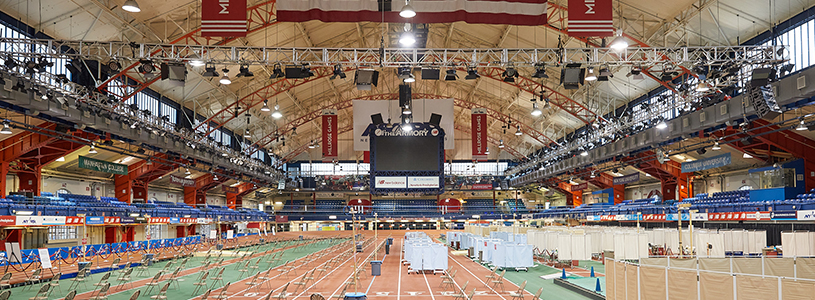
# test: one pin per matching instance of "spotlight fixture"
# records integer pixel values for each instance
(92, 150)
(146, 66)
(716, 146)
(405, 74)
(802, 126)
(406, 110)
(540, 71)
(114, 65)
(6, 128)
(225, 79)
(592, 175)
(407, 39)
(407, 11)
(746, 156)
(510, 74)
(487, 151)
(210, 72)
(10, 62)
(604, 74)
(337, 73)
(472, 73)
(277, 72)
(265, 106)
(276, 113)
(451, 75)
(311, 145)
(619, 43)
(197, 63)
(131, 6)
(500, 144)
(590, 76)
(518, 130)
(662, 125)
(243, 71)
(535, 110)
(701, 151)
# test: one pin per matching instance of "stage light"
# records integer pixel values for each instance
(409, 79)
(246, 133)
(500, 144)
(131, 6)
(619, 43)
(716, 146)
(225, 79)
(6, 128)
(407, 11)
(747, 155)
(590, 76)
(92, 150)
(311, 145)
(11, 63)
(592, 174)
(407, 39)
(540, 71)
(243, 71)
(518, 130)
(265, 106)
(802, 126)
(146, 66)
(535, 110)
(197, 63)
(337, 73)
(210, 72)
(472, 73)
(277, 72)
(451, 75)
(510, 74)
(405, 74)
(276, 113)
(662, 125)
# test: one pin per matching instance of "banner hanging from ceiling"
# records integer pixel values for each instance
(479, 133)
(182, 181)
(329, 135)
(511, 12)
(626, 179)
(389, 111)
(101, 166)
(223, 18)
(590, 18)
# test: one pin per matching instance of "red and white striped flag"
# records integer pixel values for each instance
(590, 18)
(223, 18)
(512, 12)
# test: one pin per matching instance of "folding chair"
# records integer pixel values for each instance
(266, 278)
(447, 280)
(42, 294)
(492, 275)
(71, 295)
(166, 267)
(35, 276)
(283, 294)
(54, 282)
(341, 295)
(174, 277)
(302, 282)
(5, 281)
(102, 280)
(284, 269)
(219, 277)
(520, 293)
(115, 264)
(256, 266)
(223, 294)
(244, 269)
(162, 294)
(206, 295)
(537, 295)
(5, 295)
(153, 283)
(254, 282)
(461, 294)
(101, 293)
(135, 295)
(471, 294)
(143, 267)
(80, 278)
(499, 281)
(125, 278)
(201, 283)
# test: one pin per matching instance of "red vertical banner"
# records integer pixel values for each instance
(478, 130)
(329, 135)
(590, 18)
(223, 18)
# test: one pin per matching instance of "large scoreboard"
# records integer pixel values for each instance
(407, 161)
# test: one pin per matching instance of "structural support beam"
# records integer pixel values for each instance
(675, 185)
(605, 181)
(573, 198)
(134, 185)
(235, 200)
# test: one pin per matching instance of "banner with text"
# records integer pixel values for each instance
(479, 133)
(423, 182)
(579, 187)
(182, 181)
(329, 134)
(223, 18)
(229, 189)
(590, 18)
(707, 163)
(102, 166)
(626, 179)
(390, 182)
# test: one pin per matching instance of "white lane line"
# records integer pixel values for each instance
(349, 276)
(399, 285)
(428, 286)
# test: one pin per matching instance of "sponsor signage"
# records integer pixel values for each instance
(805, 215)
(626, 179)
(281, 219)
(479, 133)
(578, 187)
(203, 220)
(127, 220)
(182, 181)
(422, 110)
(112, 220)
(94, 220)
(225, 18)
(102, 166)
(784, 215)
(29, 221)
(53, 220)
(423, 182)
(391, 182)
(329, 135)
(8, 220)
(592, 218)
(707, 163)
(74, 220)
(229, 189)
(482, 186)
(175, 220)
(590, 18)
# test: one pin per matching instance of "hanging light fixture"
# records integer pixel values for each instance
(187, 172)
(716, 146)
(535, 110)
(406, 126)
(6, 128)
(225, 79)
(265, 106)
(500, 144)
(406, 110)
(197, 63)
(407, 11)
(92, 150)
(518, 130)
(702, 87)
(487, 151)
(311, 145)
(131, 6)
(592, 174)
(619, 43)
(246, 133)
(590, 76)
(802, 126)
(407, 39)
(276, 113)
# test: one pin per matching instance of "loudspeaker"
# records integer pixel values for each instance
(572, 76)
(295, 72)
(404, 95)
(430, 74)
(175, 72)
(377, 119)
(763, 100)
(364, 79)
(435, 119)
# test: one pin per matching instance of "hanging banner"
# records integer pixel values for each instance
(365, 111)
(229, 189)
(707, 163)
(590, 18)
(626, 179)
(329, 134)
(223, 18)
(102, 166)
(479, 133)
(578, 187)
(181, 181)
(511, 12)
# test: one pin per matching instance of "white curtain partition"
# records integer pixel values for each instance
(426, 256)
(798, 243)
(512, 256)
